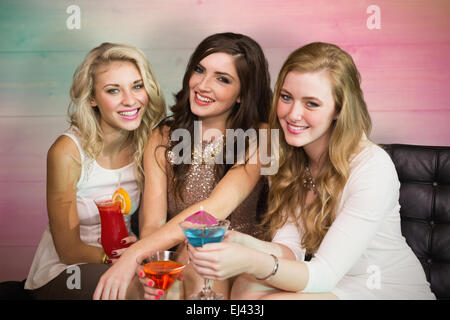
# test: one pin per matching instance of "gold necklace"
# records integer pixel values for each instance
(208, 154)
(308, 180)
(200, 156)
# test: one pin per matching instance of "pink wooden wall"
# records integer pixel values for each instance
(404, 66)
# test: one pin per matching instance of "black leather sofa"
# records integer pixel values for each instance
(424, 174)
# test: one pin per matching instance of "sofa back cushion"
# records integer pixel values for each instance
(424, 174)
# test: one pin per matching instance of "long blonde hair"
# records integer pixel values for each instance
(287, 194)
(86, 118)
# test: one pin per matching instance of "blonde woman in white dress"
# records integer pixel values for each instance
(335, 197)
(115, 102)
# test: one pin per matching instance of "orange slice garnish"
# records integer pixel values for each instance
(125, 202)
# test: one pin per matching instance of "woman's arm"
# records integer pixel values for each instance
(153, 211)
(63, 172)
(219, 261)
(278, 249)
(231, 190)
(241, 253)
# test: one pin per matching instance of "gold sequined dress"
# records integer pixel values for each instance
(201, 181)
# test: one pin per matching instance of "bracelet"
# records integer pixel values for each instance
(105, 258)
(275, 269)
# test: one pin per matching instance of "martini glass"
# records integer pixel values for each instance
(162, 267)
(198, 235)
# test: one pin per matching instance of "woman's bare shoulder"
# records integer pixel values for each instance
(159, 136)
(64, 147)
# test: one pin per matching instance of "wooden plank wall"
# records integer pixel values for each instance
(404, 66)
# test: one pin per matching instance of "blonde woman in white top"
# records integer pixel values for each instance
(335, 197)
(115, 102)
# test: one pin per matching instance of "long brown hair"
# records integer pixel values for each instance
(255, 93)
(287, 195)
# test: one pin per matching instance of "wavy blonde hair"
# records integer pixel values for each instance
(287, 193)
(87, 119)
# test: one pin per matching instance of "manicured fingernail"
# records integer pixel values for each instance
(156, 297)
(109, 261)
(122, 242)
(160, 292)
(114, 253)
(141, 274)
(151, 283)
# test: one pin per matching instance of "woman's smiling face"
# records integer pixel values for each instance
(306, 109)
(119, 95)
(214, 87)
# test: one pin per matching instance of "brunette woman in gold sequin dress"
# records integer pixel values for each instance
(226, 86)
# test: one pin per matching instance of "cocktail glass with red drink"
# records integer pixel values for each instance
(113, 228)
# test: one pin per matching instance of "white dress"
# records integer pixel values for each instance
(94, 181)
(364, 255)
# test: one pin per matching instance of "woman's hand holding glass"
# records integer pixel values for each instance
(118, 252)
(158, 271)
(150, 293)
(222, 260)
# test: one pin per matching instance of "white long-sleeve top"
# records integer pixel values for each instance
(364, 255)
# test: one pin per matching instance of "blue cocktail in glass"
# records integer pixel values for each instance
(199, 235)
